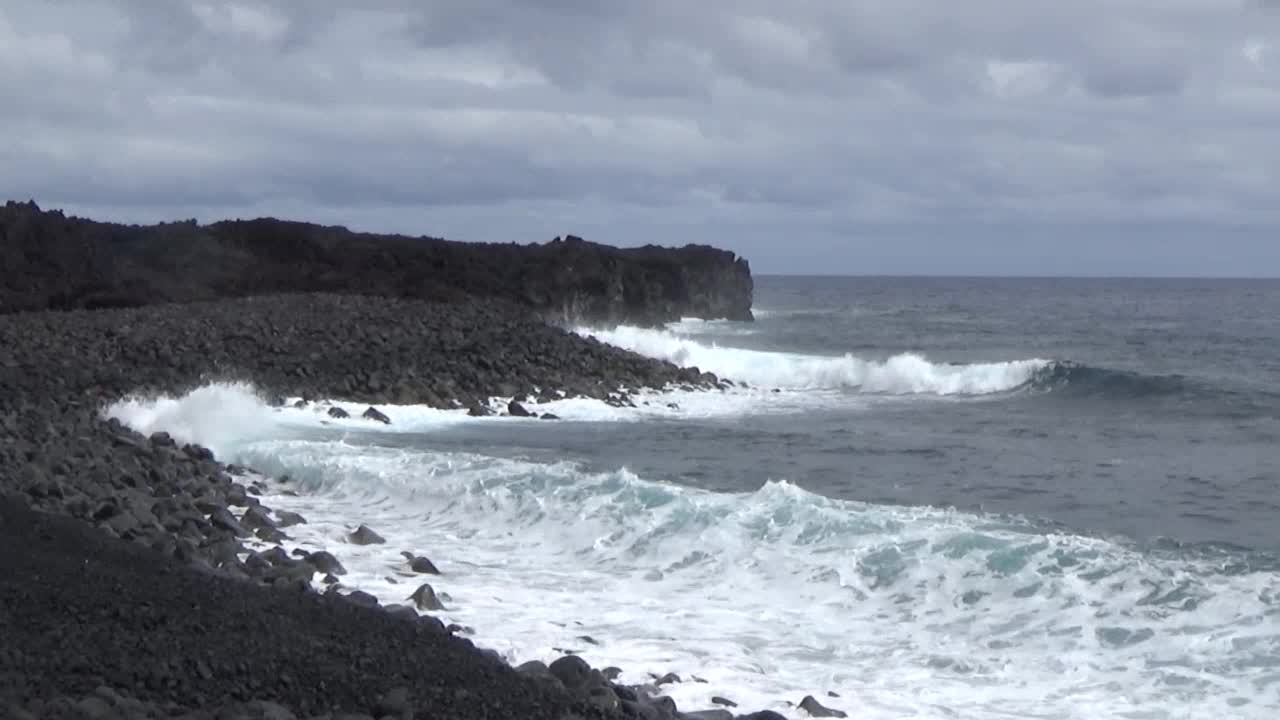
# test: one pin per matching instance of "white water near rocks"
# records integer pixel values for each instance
(907, 373)
(768, 595)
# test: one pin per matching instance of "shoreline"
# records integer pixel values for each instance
(173, 503)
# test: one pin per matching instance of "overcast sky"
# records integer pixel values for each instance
(835, 136)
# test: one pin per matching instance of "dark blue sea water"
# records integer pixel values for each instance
(1159, 416)
(936, 498)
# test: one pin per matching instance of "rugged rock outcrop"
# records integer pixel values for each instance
(50, 261)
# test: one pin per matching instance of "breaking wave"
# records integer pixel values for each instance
(908, 373)
(770, 594)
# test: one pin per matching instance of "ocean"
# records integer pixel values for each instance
(933, 498)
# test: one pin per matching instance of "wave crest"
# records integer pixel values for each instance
(904, 374)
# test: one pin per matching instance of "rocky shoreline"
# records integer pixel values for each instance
(49, 261)
(173, 616)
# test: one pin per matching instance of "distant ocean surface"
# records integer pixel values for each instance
(937, 498)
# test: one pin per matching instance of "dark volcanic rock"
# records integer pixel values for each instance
(420, 564)
(572, 671)
(324, 562)
(364, 535)
(338, 413)
(145, 636)
(424, 598)
(50, 261)
(707, 715)
(376, 415)
(515, 409)
(810, 705)
(285, 518)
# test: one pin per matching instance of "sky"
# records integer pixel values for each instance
(983, 137)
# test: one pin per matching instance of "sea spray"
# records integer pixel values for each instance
(776, 593)
(906, 373)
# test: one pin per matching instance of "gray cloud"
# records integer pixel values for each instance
(875, 137)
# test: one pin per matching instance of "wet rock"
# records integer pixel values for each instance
(611, 673)
(478, 410)
(666, 679)
(285, 518)
(255, 518)
(515, 409)
(222, 518)
(762, 715)
(404, 612)
(572, 671)
(324, 562)
(362, 598)
(338, 413)
(717, 700)
(420, 564)
(271, 535)
(539, 671)
(424, 598)
(810, 705)
(603, 697)
(707, 715)
(376, 415)
(162, 439)
(550, 416)
(363, 535)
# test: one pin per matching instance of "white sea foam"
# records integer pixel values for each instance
(698, 326)
(901, 374)
(770, 595)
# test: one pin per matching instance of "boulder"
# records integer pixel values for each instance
(572, 671)
(338, 413)
(810, 705)
(515, 409)
(375, 414)
(222, 518)
(324, 562)
(424, 598)
(363, 535)
(362, 598)
(707, 715)
(420, 564)
(285, 518)
(256, 517)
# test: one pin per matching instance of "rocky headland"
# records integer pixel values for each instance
(130, 586)
(51, 261)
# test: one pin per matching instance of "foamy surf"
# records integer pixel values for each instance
(774, 594)
(218, 414)
(898, 375)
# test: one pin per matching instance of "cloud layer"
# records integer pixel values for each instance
(813, 135)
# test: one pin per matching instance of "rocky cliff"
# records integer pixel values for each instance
(51, 261)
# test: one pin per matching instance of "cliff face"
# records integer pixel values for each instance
(49, 261)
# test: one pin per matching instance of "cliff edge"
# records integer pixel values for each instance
(51, 261)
